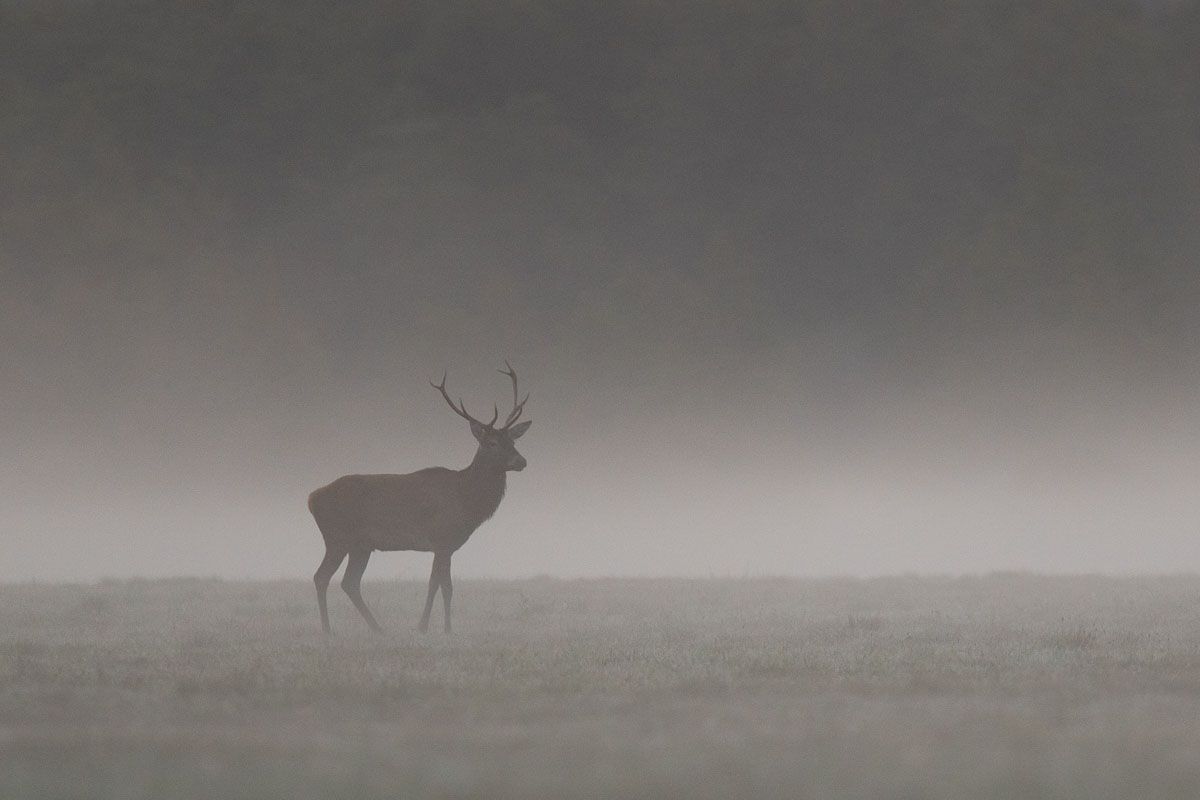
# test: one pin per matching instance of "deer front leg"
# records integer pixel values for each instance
(435, 580)
(447, 590)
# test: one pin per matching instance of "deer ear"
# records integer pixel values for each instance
(518, 430)
(477, 430)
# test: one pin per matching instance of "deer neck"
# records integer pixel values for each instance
(483, 487)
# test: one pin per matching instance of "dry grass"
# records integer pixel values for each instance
(1007, 686)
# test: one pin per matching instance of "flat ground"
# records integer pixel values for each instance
(1008, 686)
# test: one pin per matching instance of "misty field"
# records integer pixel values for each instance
(1009, 686)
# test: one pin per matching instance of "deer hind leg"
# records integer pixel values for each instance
(333, 560)
(352, 585)
(435, 582)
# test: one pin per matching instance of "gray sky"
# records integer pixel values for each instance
(797, 288)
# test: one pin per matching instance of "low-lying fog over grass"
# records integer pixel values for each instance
(1002, 686)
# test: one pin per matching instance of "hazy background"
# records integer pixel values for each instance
(816, 287)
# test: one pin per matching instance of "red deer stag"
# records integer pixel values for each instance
(433, 510)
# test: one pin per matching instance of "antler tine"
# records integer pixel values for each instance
(459, 409)
(511, 373)
(515, 414)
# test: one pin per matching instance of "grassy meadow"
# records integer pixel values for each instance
(1001, 686)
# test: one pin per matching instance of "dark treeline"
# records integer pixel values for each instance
(674, 180)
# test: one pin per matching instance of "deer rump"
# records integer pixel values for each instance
(417, 511)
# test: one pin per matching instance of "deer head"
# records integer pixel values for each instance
(496, 446)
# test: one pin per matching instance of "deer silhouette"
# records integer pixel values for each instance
(433, 510)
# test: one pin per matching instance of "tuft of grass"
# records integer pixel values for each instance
(864, 622)
(1075, 637)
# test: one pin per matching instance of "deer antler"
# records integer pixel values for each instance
(515, 414)
(461, 408)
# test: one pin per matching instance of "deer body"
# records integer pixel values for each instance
(433, 510)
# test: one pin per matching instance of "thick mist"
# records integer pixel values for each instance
(796, 288)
